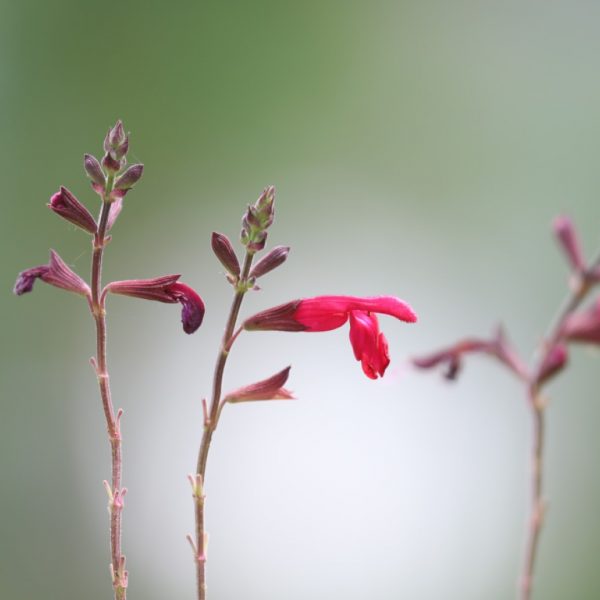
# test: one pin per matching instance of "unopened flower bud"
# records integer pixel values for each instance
(224, 251)
(568, 239)
(554, 361)
(64, 204)
(266, 389)
(56, 273)
(277, 256)
(111, 164)
(116, 135)
(129, 178)
(94, 170)
(257, 219)
(583, 326)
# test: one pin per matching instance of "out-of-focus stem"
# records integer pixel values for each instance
(119, 574)
(537, 501)
(584, 283)
(211, 424)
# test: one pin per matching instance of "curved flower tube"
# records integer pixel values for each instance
(164, 289)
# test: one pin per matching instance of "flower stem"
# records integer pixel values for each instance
(119, 575)
(211, 424)
(585, 281)
(537, 502)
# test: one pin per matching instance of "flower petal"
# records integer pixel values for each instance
(369, 344)
(193, 309)
(324, 313)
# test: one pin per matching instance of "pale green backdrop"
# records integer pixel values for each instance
(419, 149)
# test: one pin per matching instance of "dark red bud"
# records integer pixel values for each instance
(94, 170)
(111, 164)
(276, 257)
(224, 251)
(129, 178)
(64, 204)
(266, 389)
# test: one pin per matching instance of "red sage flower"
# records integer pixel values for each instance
(324, 313)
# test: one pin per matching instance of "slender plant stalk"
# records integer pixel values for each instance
(537, 501)
(210, 424)
(115, 493)
(537, 406)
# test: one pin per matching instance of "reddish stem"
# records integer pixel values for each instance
(119, 574)
(585, 282)
(211, 424)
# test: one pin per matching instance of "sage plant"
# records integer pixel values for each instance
(322, 313)
(572, 325)
(111, 179)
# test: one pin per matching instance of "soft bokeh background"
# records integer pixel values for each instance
(419, 149)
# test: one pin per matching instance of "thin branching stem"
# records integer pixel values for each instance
(211, 424)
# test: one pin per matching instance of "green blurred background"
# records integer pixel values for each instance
(419, 149)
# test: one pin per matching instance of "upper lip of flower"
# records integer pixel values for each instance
(324, 313)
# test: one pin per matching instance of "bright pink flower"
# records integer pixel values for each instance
(164, 289)
(324, 313)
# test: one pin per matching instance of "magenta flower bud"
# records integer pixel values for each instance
(94, 170)
(273, 259)
(583, 326)
(129, 178)
(554, 361)
(64, 204)
(569, 240)
(164, 289)
(224, 251)
(56, 273)
(324, 313)
(266, 389)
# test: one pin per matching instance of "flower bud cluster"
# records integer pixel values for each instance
(112, 189)
(258, 218)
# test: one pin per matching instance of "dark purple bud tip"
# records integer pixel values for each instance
(224, 251)
(94, 170)
(129, 178)
(193, 309)
(64, 204)
(26, 279)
